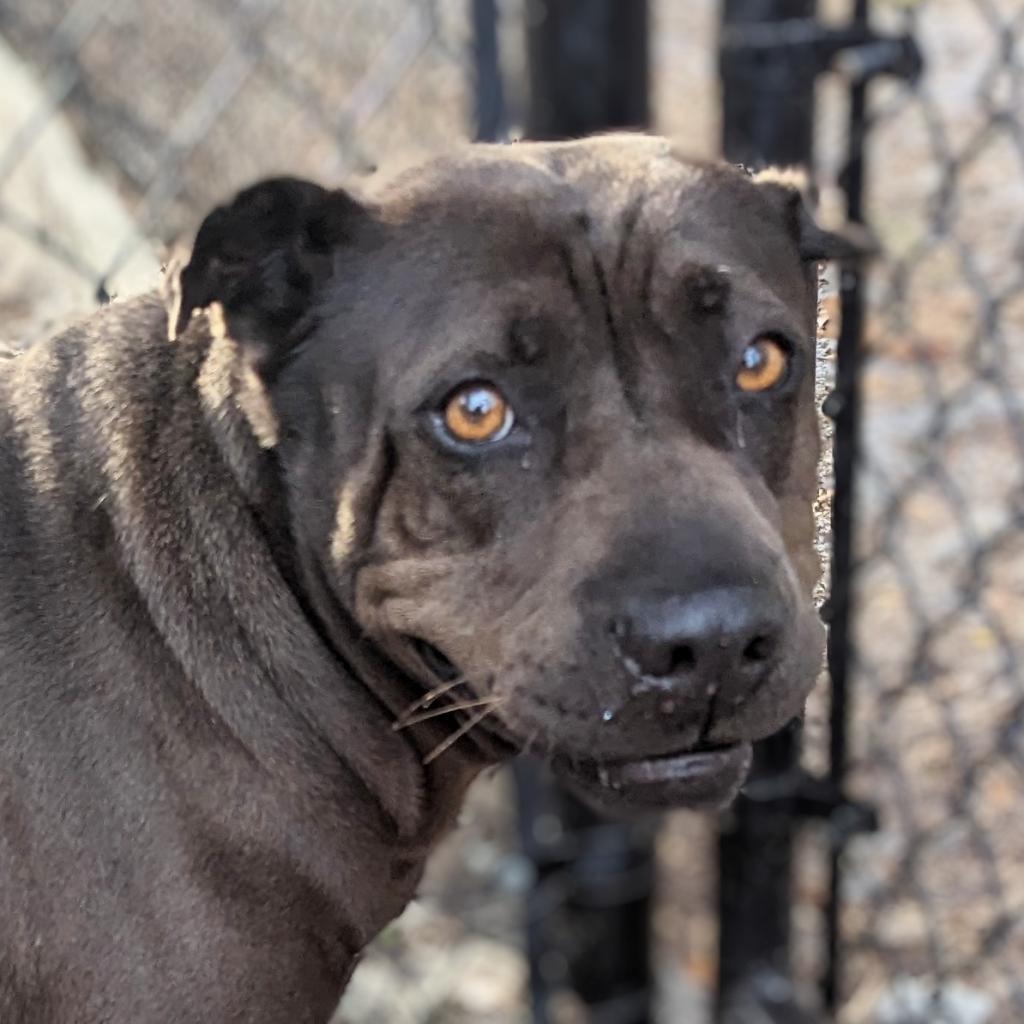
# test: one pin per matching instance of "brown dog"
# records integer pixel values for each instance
(518, 454)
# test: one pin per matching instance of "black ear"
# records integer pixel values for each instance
(787, 189)
(852, 243)
(262, 257)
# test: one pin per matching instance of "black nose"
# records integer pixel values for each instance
(726, 635)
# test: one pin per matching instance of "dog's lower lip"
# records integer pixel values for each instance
(691, 764)
(702, 778)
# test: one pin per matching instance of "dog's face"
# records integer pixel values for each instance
(544, 417)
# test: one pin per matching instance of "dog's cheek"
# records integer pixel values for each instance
(421, 517)
(798, 535)
(554, 677)
(797, 504)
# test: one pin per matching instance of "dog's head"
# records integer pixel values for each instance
(544, 418)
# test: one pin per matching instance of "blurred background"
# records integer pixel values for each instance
(875, 868)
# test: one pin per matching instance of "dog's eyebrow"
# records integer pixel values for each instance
(527, 333)
(526, 338)
(706, 287)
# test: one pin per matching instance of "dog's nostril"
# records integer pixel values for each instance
(759, 649)
(662, 660)
(701, 638)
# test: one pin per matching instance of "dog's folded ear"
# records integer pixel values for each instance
(788, 188)
(262, 258)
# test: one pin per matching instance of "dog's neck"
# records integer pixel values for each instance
(169, 458)
(242, 428)
(277, 750)
(348, 668)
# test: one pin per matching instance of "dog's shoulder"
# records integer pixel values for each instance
(66, 398)
(127, 331)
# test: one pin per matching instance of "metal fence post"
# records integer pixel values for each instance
(767, 118)
(489, 111)
(588, 66)
(589, 911)
(843, 406)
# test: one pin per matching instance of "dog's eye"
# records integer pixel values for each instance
(476, 413)
(763, 365)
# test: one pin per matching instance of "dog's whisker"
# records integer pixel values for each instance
(406, 722)
(471, 723)
(429, 697)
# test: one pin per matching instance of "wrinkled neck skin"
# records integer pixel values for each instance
(395, 692)
(416, 800)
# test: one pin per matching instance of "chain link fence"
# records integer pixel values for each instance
(933, 929)
(177, 105)
(122, 123)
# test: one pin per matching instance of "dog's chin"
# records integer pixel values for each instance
(700, 779)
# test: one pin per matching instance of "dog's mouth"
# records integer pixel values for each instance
(708, 777)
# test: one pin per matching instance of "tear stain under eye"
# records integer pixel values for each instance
(708, 288)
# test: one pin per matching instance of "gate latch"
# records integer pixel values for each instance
(807, 48)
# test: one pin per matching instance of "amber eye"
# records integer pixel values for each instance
(763, 365)
(475, 413)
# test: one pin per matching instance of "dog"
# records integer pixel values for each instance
(515, 452)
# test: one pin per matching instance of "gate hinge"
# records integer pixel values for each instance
(845, 817)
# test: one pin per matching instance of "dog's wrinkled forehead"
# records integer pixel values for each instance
(626, 192)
